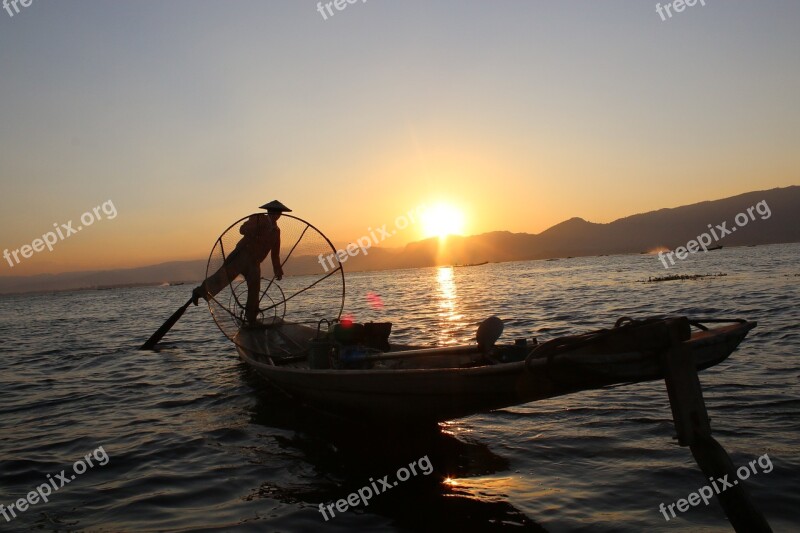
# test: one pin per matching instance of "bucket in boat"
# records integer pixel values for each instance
(320, 348)
(319, 353)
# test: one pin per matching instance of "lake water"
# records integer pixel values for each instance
(194, 443)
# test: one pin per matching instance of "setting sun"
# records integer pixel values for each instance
(441, 220)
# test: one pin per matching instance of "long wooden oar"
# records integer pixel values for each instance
(158, 335)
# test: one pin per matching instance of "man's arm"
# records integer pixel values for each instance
(275, 252)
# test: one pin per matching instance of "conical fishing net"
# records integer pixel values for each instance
(312, 287)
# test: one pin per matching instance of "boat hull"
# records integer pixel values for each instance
(425, 395)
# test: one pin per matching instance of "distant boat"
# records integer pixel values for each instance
(473, 264)
(709, 249)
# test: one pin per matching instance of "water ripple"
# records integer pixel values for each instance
(196, 443)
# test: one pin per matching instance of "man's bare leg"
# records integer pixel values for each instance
(220, 279)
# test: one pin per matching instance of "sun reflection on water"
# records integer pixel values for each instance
(448, 315)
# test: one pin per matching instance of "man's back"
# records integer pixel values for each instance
(259, 233)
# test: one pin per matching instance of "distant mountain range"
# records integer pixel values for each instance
(647, 232)
(774, 218)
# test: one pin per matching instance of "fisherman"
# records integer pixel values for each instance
(261, 236)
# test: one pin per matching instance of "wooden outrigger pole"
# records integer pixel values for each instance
(694, 430)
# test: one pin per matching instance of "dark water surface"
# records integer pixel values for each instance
(194, 443)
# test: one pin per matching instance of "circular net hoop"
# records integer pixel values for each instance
(312, 287)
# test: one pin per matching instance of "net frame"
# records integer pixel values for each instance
(230, 318)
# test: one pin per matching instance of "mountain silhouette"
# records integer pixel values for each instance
(662, 229)
(778, 221)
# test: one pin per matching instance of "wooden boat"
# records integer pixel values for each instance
(352, 371)
(412, 385)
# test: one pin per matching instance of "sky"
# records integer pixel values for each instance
(185, 115)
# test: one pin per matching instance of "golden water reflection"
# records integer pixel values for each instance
(448, 316)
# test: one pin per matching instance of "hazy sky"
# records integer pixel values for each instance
(188, 114)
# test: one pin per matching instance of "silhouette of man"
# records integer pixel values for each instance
(261, 236)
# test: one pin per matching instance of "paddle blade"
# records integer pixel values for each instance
(158, 335)
(488, 332)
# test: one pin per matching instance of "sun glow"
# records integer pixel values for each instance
(441, 220)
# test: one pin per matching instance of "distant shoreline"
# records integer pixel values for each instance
(191, 282)
(663, 229)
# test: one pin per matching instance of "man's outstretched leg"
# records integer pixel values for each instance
(220, 279)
